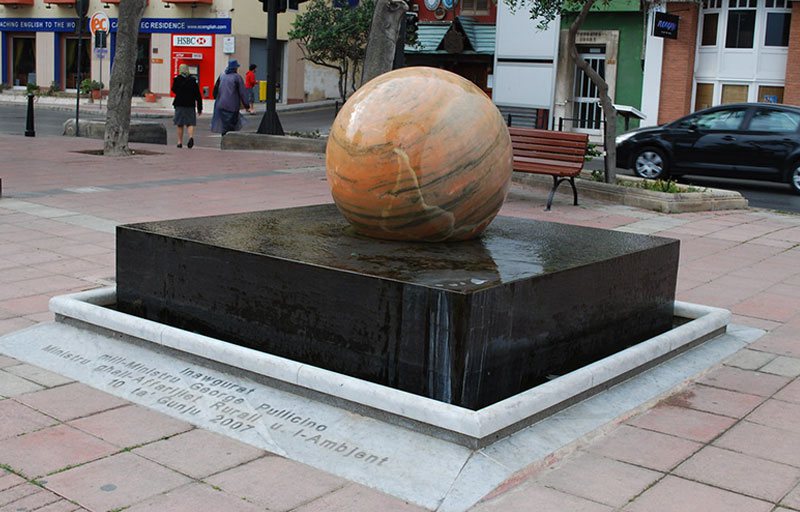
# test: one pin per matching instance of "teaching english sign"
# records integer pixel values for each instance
(146, 26)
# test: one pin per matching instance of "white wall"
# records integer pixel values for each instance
(651, 81)
(529, 79)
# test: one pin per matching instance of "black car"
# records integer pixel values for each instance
(758, 141)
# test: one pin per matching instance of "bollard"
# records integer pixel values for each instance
(29, 131)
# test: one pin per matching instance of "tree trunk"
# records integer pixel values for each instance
(120, 89)
(609, 112)
(382, 39)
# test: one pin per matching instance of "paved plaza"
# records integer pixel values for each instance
(729, 441)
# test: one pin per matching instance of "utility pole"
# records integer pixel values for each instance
(81, 9)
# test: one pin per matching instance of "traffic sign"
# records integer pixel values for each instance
(99, 21)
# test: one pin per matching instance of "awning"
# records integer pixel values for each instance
(480, 37)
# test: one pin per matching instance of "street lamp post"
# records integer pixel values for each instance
(81, 9)
(270, 123)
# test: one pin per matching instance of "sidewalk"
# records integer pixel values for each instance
(139, 108)
(728, 442)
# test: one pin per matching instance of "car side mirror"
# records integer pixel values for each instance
(693, 127)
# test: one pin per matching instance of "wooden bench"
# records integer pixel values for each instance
(558, 154)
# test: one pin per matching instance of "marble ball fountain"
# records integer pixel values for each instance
(419, 154)
(410, 286)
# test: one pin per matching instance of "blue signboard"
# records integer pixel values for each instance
(38, 24)
(146, 26)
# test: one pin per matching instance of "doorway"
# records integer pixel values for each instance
(23, 60)
(258, 56)
(141, 74)
(588, 116)
(71, 60)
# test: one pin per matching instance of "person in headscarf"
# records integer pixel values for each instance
(229, 96)
(187, 98)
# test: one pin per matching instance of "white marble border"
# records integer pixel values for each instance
(476, 425)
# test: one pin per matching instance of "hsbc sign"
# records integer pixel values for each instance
(192, 40)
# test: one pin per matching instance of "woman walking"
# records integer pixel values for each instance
(229, 96)
(187, 98)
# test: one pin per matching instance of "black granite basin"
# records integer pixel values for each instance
(467, 323)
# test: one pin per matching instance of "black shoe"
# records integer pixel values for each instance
(190, 145)
(180, 145)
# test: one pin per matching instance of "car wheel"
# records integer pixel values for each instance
(650, 163)
(794, 177)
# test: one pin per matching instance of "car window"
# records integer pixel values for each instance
(770, 120)
(720, 119)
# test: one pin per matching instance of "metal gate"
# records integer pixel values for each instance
(587, 112)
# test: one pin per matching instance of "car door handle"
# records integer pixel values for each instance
(728, 138)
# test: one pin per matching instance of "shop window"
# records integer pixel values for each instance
(474, 7)
(712, 4)
(733, 94)
(71, 61)
(23, 59)
(777, 29)
(770, 94)
(704, 96)
(742, 4)
(741, 28)
(710, 22)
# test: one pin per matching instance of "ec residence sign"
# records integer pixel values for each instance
(192, 40)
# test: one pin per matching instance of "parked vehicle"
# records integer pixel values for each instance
(758, 141)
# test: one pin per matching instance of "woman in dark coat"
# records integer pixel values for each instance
(187, 96)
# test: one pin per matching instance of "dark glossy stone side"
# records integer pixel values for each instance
(469, 323)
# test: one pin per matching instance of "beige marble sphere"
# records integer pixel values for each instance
(419, 154)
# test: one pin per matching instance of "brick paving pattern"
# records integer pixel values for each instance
(728, 442)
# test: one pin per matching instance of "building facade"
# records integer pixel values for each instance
(730, 51)
(39, 44)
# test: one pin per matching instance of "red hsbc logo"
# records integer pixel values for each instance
(192, 40)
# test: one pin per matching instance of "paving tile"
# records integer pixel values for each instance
(200, 453)
(51, 449)
(9, 480)
(762, 441)
(741, 473)
(38, 375)
(13, 324)
(26, 305)
(599, 479)
(530, 497)
(793, 498)
(357, 498)
(71, 401)
(115, 482)
(644, 448)
(130, 426)
(749, 359)
(34, 501)
(678, 495)
(195, 497)
(791, 393)
(783, 366)
(715, 400)
(276, 483)
(16, 493)
(784, 340)
(777, 414)
(12, 385)
(769, 306)
(744, 381)
(61, 506)
(6, 361)
(17, 419)
(686, 423)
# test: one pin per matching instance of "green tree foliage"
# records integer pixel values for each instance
(544, 12)
(335, 37)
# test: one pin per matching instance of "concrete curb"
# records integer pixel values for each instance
(462, 426)
(260, 142)
(708, 199)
